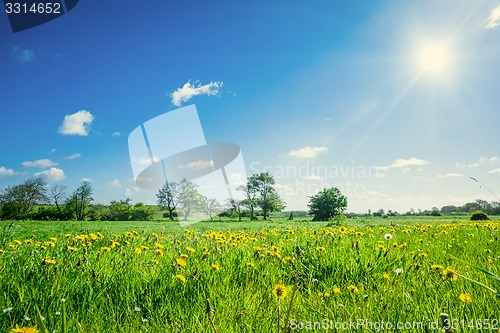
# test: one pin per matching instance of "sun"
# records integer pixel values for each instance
(434, 59)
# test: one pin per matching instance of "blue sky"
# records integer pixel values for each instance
(395, 102)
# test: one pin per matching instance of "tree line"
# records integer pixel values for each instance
(34, 199)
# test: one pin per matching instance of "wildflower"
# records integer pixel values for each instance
(72, 249)
(279, 291)
(144, 320)
(450, 273)
(155, 262)
(465, 298)
(215, 267)
(27, 318)
(144, 247)
(24, 330)
(353, 288)
(181, 262)
(7, 310)
(58, 313)
(327, 294)
(320, 294)
(388, 236)
(159, 252)
(49, 261)
(320, 248)
(181, 277)
(67, 235)
(287, 259)
(137, 250)
(190, 249)
(137, 309)
(437, 267)
(336, 290)
(386, 276)
(158, 245)
(105, 248)
(184, 255)
(250, 264)
(398, 271)
(18, 242)
(28, 241)
(423, 254)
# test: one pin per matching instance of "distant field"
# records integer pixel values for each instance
(156, 276)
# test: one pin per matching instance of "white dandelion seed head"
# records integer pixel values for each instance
(138, 309)
(388, 236)
(27, 318)
(7, 310)
(399, 271)
(58, 313)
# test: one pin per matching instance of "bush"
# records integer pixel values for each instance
(479, 216)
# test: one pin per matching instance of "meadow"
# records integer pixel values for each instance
(363, 275)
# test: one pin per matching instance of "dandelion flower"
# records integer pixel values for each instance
(398, 271)
(24, 330)
(49, 261)
(72, 249)
(190, 249)
(105, 248)
(215, 267)
(280, 291)
(320, 248)
(336, 290)
(181, 262)
(450, 273)
(386, 276)
(250, 264)
(159, 252)
(137, 250)
(437, 267)
(353, 288)
(465, 298)
(320, 294)
(181, 277)
(137, 309)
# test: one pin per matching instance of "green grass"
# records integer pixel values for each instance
(117, 289)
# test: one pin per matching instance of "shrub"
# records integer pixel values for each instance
(479, 216)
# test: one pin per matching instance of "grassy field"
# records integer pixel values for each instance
(276, 276)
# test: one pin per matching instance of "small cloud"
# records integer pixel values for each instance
(190, 90)
(86, 179)
(72, 157)
(114, 183)
(116, 134)
(404, 163)
(77, 123)
(197, 165)
(52, 151)
(6, 172)
(42, 164)
(308, 152)
(145, 160)
(131, 191)
(23, 55)
(494, 18)
(496, 170)
(312, 177)
(284, 189)
(493, 159)
(53, 174)
(449, 175)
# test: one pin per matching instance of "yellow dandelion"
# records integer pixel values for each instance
(184, 255)
(18, 242)
(320, 248)
(181, 262)
(465, 298)
(450, 273)
(353, 288)
(72, 249)
(279, 291)
(18, 329)
(437, 267)
(105, 248)
(423, 254)
(320, 294)
(336, 290)
(181, 277)
(190, 249)
(49, 261)
(137, 250)
(386, 276)
(159, 252)
(158, 245)
(250, 264)
(28, 241)
(327, 294)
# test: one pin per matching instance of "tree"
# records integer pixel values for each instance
(266, 196)
(168, 198)
(211, 206)
(121, 210)
(80, 200)
(250, 192)
(182, 195)
(142, 212)
(57, 194)
(18, 201)
(235, 205)
(327, 204)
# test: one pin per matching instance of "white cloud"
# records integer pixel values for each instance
(494, 18)
(197, 165)
(146, 161)
(53, 150)
(284, 189)
(493, 159)
(53, 174)
(86, 179)
(114, 183)
(77, 123)
(496, 170)
(449, 175)
(308, 152)
(404, 163)
(23, 55)
(6, 172)
(42, 164)
(190, 90)
(116, 134)
(72, 157)
(312, 177)
(131, 191)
